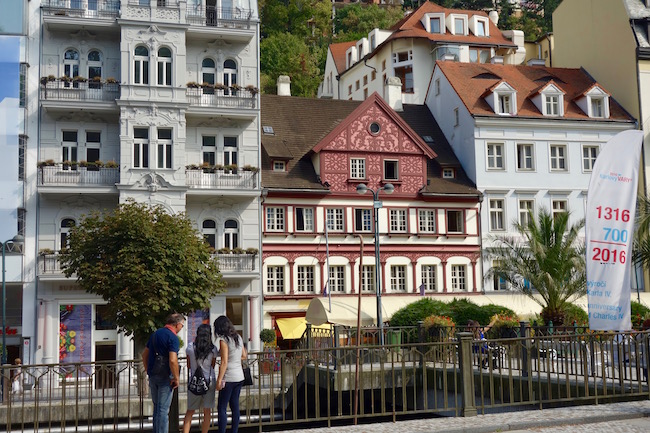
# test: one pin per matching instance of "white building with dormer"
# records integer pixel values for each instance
(154, 101)
(409, 50)
(528, 136)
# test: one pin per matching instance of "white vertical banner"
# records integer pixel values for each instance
(611, 208)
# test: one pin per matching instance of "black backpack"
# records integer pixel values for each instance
(198, 384)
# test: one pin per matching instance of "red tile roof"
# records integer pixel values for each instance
(471, 80)
(338, 54)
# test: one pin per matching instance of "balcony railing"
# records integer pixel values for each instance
(230, 98)
(60, 90)
(66, 175)
(48, 264)
(232, 18)
(99, 9)
(221, 179)
(236, 262)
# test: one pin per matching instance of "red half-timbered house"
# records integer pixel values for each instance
(315, 153)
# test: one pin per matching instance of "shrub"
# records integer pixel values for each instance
(503, 322)
(463, 310)
(252, 251)
(639, 313)
(573, 313)
(440, 321)
(238, 250)
(267, 336)
(416, 312)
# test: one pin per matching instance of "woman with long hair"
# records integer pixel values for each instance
(201, 353)
(231, 373)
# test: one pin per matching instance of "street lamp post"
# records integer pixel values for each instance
(388, 188)
(18, 239)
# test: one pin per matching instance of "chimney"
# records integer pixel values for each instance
(497, 60)
(536, 62)
(393, 93)
(284, 85)
(494, 17)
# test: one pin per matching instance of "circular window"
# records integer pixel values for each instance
(375, 128)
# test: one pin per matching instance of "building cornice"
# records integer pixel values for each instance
(554, 123)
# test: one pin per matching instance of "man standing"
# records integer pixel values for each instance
(160, 360)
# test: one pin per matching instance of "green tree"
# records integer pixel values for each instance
(641, 251)
(288, 54)
(144, 262)
(354, 22)
(545, 257)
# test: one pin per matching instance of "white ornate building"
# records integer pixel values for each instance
(164, 88)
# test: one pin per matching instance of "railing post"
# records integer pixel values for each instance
(421, 337)
(336, 343)
(525, 348)
(309, 337)
(466, 373)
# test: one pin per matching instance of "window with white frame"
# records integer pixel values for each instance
(526, 211)
(274, 219)
(164, 159)
(279, 166)
(64, 232)
(497, 214)
(455, 221)
(427, 220)
(231, 234)
(398, 220)
(305, 279)
(589, 155)
(495, 156)
(229, 150)
(398, 278)
(71, 63)
(208, 71)
(368, 279)
(209, 149)
(209, 231)
(69, 145)
(93, 143)
(230, 76)
(434, 25)
(140, 147)
(552, 105)
(505, 103)
(403, 69)
(304, 219)
(164, 66)
(479, 55)
(448, 173)
(94, 66)
(275, 279)
(558, 158)
(480, 28)
(337, 279)
(141, 65)
(498, 283)
(362, 220)
(335, 219)
(458, 278)
(525, 157)
(391, 171)
(357, 168)
(429, 277)
(597, 107)
(459, 26)
(558, 207)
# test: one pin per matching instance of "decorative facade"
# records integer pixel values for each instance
(315, 154)
(155, 102)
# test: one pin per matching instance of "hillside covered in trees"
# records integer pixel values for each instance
(296, 33)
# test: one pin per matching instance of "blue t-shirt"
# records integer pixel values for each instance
(162, 341)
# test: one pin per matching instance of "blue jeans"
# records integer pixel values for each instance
(229, 394)
(161, 395)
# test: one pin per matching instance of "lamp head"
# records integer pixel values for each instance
(362, 188)
(388, 188)
(18, 239)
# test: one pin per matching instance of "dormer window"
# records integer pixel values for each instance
(502, 98)
(552, 105)
(448, 173)
(457, 24)
(480, 28)
(279, 166)
(505, 104)
(594, 103)
(434, 23)
(479, 25)
(597, 107)
(550, 100)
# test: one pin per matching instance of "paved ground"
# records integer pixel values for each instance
(633, 417)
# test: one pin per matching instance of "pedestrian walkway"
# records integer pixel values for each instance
(546, 420)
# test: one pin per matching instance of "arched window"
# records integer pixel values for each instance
(209, 71)
(164, 67)
(231, 234)
(71, 63)
(210, 232)
(66, 225)
(94, 64)
(141, 65)
(229, 75)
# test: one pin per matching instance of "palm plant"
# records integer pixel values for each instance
(641, 248)
(547, 258)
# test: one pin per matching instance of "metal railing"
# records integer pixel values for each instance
(212, 179)
(98, 9)
(48, 264)
(74, 175)
(455, 377)
(232, 18)
(226, 98)
(60, 90)
(236, 262)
